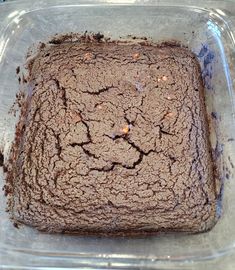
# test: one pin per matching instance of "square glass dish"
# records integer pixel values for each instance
(207, 28)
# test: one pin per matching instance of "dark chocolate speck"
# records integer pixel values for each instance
(214, 115)
(1, 159)
(18, 70)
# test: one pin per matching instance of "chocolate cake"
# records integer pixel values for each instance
(112, 139)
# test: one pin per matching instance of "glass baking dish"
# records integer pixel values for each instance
(207, 28)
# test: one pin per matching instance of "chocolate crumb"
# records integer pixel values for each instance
(42, 45)
(16, 225)
(1, 159)
(18, 70)
(230, 161)
(98, 36)
(5, 169)
(214, 115)
(24, 79)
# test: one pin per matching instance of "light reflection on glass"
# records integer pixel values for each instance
(221, 12)
(217, 34)
(13, 14)
(3, 47)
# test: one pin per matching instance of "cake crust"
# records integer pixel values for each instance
(113, 139)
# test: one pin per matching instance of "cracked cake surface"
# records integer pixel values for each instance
(112, 138)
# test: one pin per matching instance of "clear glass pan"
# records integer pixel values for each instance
(197, 24)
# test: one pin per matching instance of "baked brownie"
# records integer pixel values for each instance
(113, 139)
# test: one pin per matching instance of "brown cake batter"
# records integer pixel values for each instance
(113, 139)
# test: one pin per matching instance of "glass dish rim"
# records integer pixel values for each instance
(63, 4)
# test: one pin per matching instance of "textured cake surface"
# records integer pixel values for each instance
(113, 139)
